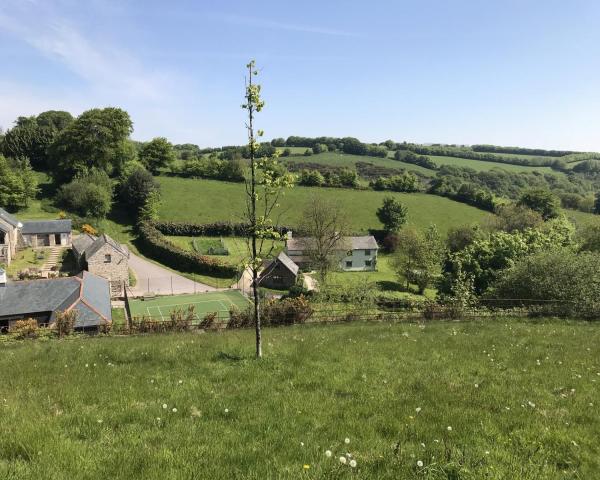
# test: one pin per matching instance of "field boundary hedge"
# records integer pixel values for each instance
(152, 243)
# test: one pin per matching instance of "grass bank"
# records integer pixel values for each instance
(203, 201)
(493, 399)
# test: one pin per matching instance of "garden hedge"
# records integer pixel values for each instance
(152, 243)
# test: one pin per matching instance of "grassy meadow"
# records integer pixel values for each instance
(498, 399)
(486, 166)
(337, 159)
(201, 201)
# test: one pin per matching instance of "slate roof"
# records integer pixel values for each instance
(100, 242)
(46, 226)
(288, 263)
(87, 293)
(8, 218)
(82, 242)
(366, 242)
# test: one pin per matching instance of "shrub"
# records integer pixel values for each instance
(181, 319)
(240, 318)
(65, 322)
(87, 228)
(288, 311)
(22, 329)
(209, 321)
(89, 195)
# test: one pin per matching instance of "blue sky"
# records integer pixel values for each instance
(519, 72)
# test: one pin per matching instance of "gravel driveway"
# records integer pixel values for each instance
(154, 278)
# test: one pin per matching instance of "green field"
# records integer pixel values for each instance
(340, 160)
(485, 166)
(201, 201)
(520, 397)
(238, 250)
(337, 159)
(160, 307)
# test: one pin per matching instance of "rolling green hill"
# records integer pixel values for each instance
(200, 201)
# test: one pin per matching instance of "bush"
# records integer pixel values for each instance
(209, 321)
(89, 195)
(288, 311)
(22, 329)
(565, 282)
(65, 323)
(240, 318)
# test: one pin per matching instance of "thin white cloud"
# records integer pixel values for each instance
(275, 25)
(103, 66)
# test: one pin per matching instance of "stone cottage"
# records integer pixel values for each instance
(104, 257)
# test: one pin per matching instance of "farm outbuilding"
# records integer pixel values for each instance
(280, 273)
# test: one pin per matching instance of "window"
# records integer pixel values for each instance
(367, 252)
(349, 264)
(107, 258)
(2, 240)
(368, 263)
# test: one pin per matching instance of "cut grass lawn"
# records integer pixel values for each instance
(238, 251)
(501, 399)
(203, 201)
(159, 308)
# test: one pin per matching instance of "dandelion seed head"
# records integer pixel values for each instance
(343, 460)
(164, 405)
(419, 463)
(346, 440)
(353, 463)
(328, 453)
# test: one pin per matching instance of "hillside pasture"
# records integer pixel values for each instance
(337, 159)
(486, 166)
(203, 201)
(482, 399)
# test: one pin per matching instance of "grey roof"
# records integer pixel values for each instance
(8, 218)
(96, 294)
(366, 242)
(100, 242)
(46, 226)
(288, 263)
(88, 294)
(82, 242)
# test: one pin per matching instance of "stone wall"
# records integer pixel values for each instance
(116, 270)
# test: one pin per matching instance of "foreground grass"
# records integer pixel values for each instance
(521, 399)
(201, 201)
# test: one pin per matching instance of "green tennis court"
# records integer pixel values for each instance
(159, 308)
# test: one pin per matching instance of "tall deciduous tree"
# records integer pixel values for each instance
(98, 138)
(156, 154)
(542, 201)
(419, 256)
(264, 187)
(324, 225)
(392, 214)
(17, 183)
